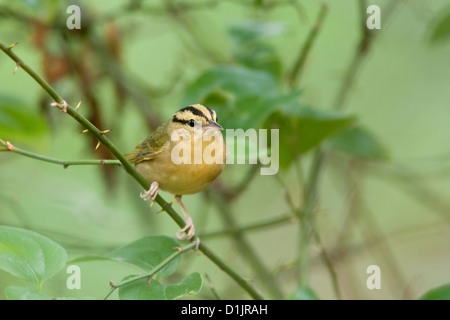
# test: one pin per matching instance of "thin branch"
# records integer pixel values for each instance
(251, 227)
(212, 288)
(307, 224)
(294, 76)
(149, 274)
(64, 163)
(329, 263)
(362, 49)
(310, 196)
(245, 248)
(61, 104)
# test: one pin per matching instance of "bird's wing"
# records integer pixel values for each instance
(150, 147)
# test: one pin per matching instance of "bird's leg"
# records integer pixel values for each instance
(151, 193)
(189, 227)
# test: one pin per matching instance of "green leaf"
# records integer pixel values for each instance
(189, 285)
(25, 293)
(247, 32)
(38, 8)
(232, 82)
(314, 126)
(19, 123)
(439, 293)
(252, 111)
(142, 290)
(359, 142)
(303, 293)
(147, 253)
(249, 48)
(28, 255)
(303, 129)
(261, 57)
(440, 30)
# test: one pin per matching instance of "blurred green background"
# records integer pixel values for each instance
(382, 196)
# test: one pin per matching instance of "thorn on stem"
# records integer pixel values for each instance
(105, 131)
(16, 68)
(85, 131)
(78, 105)
(98, 145)
(13, 45)
(149, 279)
(112, 284)
(65, 166)
(103, 161)
(179, 249)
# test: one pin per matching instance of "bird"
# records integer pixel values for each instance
(169, 158)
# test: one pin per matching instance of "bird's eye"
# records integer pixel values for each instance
(192, 122)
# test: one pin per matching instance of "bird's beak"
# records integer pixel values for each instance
(214, 125)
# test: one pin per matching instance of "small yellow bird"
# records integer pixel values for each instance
(173, 165)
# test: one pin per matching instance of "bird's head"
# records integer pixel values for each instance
(194, 117)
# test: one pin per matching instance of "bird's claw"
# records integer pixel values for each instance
(151, 193)
(187, 232)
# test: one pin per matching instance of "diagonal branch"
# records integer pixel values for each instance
(293, 77)
(100, 135)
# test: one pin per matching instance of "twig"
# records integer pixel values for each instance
(161, 265)
(307, 218)
(361, 218)
(405, 179)
(64, 163)
(294, 76)
(128, 167)
(245, 248)
(211, 287)
(363, 48)
(317, 162)
(250, 227)
(123, 81)
(329, 263)
(196, 41)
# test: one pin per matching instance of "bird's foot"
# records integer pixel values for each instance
(188, 231)
(151, 193)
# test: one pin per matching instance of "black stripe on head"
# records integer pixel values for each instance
(175, 119)
(210, 112)
(194, 111)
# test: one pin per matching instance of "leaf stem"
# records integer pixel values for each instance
(152, 272)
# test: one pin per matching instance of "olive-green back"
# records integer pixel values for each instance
(151, 146)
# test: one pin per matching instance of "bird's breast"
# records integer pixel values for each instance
(187, 166)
